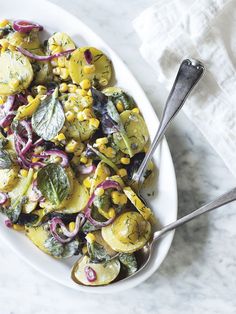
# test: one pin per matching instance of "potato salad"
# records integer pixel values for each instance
(69, 145)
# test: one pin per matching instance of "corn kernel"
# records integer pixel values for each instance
(85, 84)
(111, 212)
(63, 87)
(88, 100)
(18, 227)
(64, 74)
(35, 159)
(87, 182)
(123, 199)
(24, 173)
(80, 116)
(136, 110)
(14, 83)
(103, 82)
(41, 90)
(71, 146)
(71, 226)
(6, 129)
(61, 137)
(99, 191)
(94, 122)
(122, 172)
(103, 213)
(89, 93)
(56, 71)
(68, 105)
(110, 152)
(125, 160)
(84, 250)
(38, 150)
(81, 92)
(101, 140)
(115, 196)
(4, 23)
(90, 237)
(120, 106)
(88, 69)
(61, 62)
(35, 175)
(102, 148)
(72, 88)
(84, 159)
(70, 116)
(57, 160)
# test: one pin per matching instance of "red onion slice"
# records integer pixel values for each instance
(3, 198)
(86, 170)
(6, 114)
(58, 153)
(8, 223)
(43, 58)
(107, 184)
(88, 56)
(26, 26)
(70, 235)
(90, 273)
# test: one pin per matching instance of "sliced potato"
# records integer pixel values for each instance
(101, 173)
(61, 40)
(42, 69)
(74, 203)
(128, 233)
(136, 201)
(102, 65)
(9, 178)
(29, 41)
(38, 235)
(16, 72)
(136, 130)
(105, 273)
(79, 130)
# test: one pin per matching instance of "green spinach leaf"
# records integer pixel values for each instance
(53, 183)
(60, 250)
(5, 159)
(49, 118)
(113, 113)
(13, 212)
(97, 253)
(130, 262)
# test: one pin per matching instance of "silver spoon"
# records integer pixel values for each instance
(189, 73)
(146, 252)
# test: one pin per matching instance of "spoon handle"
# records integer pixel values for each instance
(189, 73)
(220, 201)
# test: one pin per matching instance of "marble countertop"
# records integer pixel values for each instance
(198, 275)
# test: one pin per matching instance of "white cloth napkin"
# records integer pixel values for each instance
(172, 30)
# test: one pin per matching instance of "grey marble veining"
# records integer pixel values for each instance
(198, 275)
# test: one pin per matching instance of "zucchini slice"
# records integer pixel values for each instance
(105, 273)
(9, 178)
(29, 41)
(61, 40)
(136, 130)
(102, 65)
(128, 233)
(16, 72)
(136, 201)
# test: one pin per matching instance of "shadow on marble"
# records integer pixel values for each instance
(189, 241)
